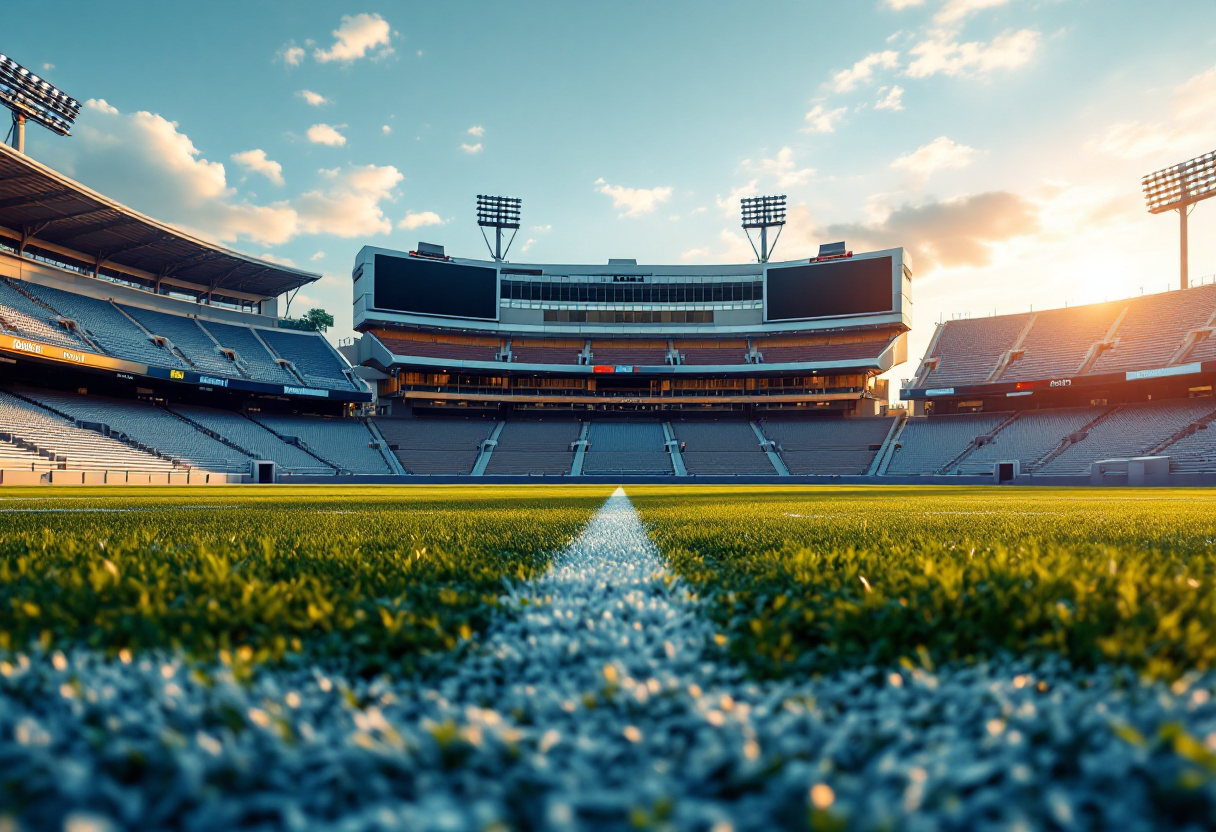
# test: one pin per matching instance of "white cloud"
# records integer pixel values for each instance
(47, 67)
(863, 71)
(274, 258)
(355, 36)
(320, 255)
(730, 203)
(414, 220)
(144, 160)
(942, 52)
(1188, 132)
(635, 201)
(890, 98)
(313, 98)
(471, 148)
(291, 55)
(819, 120)
(542, 229)
(255, 161)
(527, 245)
(700, 210)
(899, 5)
(386, 130)
(477, 131)
(955, 10)
(940, 154)
(350, 205)
(783, 170)
(326, 134)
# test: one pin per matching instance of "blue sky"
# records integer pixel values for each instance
(1000, 141)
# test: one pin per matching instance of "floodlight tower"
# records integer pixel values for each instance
(1178, 188)
(29, 97)
(498, 212)
(763, 212)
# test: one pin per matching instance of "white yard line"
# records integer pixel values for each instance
(596, 704)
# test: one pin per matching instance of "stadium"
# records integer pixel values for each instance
(571, 546)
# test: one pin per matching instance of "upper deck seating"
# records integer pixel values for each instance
(705, 353)
(188, 337)
(835, 446)
(928, 444)
(83, 449)
(805, 353)
(435, 446)
(430, 346)
(626, 447)
(150, 426)
(1155, 328)
(535, 447)
(1029, 438)
(112, 330)
(256, 360)
(21, 316)
(1060, 339)
(312, 356)
(968, 351)
(344, 442)
(254, 438)
(629, 353)
(1131, 430)
(722, 449)
(546, 351)
(1194, 453)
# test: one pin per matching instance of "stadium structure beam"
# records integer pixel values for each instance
(498, 212)
(1180, 188)
(763, 212)
(30, 98)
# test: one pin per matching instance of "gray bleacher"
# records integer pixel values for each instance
(344, 442)
(312, 357)
(626, 447)
(927, 444)
(1029, 438)
(112, 330)
(254, 438)
(256, 361)
(835, 446)
(150, 426)
(1130, 430)
(535, 448)
(81, 449)
(21, 316)
(187, 337)
(1195, 452)
(435, 446)
(722, 449)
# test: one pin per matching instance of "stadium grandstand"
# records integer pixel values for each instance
(489, 368)
(1060, 390)
(132, 352)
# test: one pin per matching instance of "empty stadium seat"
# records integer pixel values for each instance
(344, 442)
(723, 448)
(829, 446)
(969, 351)
(1060, 339)
(928, 444)
(21, 316)
(535, 447)
(435, 446)
(1155, 328)
(260, 442)
(627, 448)
(187, 336)
(255, 359)
(1029, 438)
(312, 356)
(1130, 430)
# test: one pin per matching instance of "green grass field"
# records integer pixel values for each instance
(797, 580)
(367, 578)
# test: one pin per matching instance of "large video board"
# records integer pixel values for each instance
(435, 287)
(860, 286)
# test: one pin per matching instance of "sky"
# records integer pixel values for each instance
(1001, 142)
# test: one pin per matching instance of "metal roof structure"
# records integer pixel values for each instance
(42, 206)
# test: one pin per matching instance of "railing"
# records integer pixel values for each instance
(462, 389)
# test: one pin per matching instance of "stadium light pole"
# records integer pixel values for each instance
(30, 98)
(1179, 188)
(763, 212)
(498, 212)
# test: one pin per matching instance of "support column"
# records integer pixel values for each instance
(1184, 257)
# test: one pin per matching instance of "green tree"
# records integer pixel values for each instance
(315, 320)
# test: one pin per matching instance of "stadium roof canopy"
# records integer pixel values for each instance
(42, 206)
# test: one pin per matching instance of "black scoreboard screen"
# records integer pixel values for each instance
(829, 290)
(435, 287)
